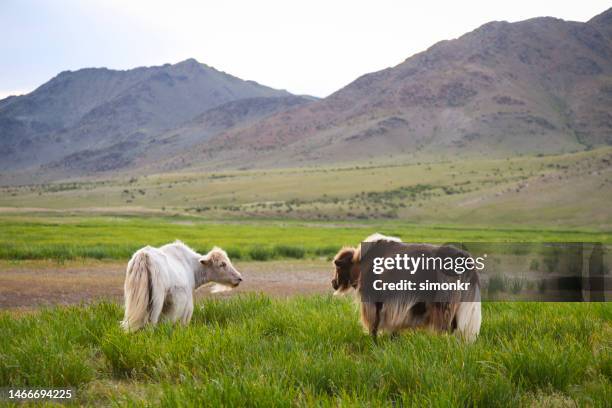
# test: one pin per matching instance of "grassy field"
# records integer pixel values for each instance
(257, 351)
(36, 236)
(561, 191)
(251, 350)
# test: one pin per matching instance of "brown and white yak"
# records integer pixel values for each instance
(463, 317)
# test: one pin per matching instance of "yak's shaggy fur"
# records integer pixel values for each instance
(463, 318)
(159, 282)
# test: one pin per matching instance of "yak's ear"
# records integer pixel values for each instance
(344, 257)
(205, 260)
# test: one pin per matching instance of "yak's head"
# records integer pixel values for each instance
(220, 268)
(346, 275)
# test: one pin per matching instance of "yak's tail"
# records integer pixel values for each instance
(469, 318)
(143, 292)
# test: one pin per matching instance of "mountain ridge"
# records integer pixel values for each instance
(535, 86)
(95, 108)
(538, 86)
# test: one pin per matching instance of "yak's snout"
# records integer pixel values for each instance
(236, 281)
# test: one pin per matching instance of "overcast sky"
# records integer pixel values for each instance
(307, 47)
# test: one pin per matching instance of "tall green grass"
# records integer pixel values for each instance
(311, 351)
(61, 238)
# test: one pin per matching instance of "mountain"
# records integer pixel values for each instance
(542, 85)
(537, 86)
(603, 22)
(100, 119)
(129, 153)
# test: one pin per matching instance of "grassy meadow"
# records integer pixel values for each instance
(256, 351)
(562, 191)
(54, 237)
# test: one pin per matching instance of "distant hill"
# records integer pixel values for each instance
(542, 85)
(100, 119)
(232, 115)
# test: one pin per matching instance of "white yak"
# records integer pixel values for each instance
(160, 282)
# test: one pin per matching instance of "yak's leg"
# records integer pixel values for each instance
(188, 312)
(180, 302)
(376, 323)
(468, 320)
(168, 307)
(157, 305)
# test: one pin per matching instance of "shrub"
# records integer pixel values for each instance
(234, 253)
(260, 253)
(289, 251)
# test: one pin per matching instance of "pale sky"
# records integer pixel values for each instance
(307, 47)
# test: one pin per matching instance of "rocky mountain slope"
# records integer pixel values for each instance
(542, 85)
(100, 119)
